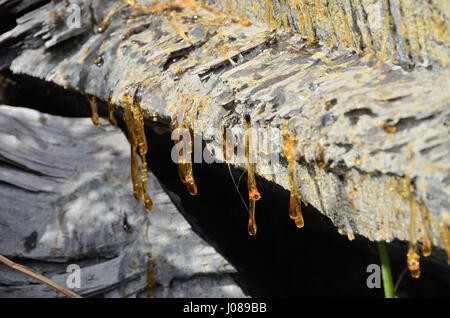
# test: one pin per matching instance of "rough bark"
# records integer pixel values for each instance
(381, 127)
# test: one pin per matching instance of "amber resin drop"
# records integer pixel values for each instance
(299, 222)
(245, 22)
(189, 176)
(190, 182)
(413, 261)
(99, 61)
(251, 221)
(185, 170)
(181, 165)
(112, 118)
(253, 193)
(295, 197)
(426, 247)
(142, 145)
(182, 171)
(224, 143)
(192, 187)
(390, 129)
(94, 108)
(137, 189)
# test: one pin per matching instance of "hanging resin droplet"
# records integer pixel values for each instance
(182, 170)
(251, 221)
(192, 187)
(142, 145)
(190, 182)
(253, 193)
(112, 118)
(413, 261)
(224, 143)
(147, 200)
(94, 108)
(426, 247)
(189, 173)
(295, 211)
(294, 208)
(137, 189)
(181, 165)
(299, 222)
(185, 147)
(426, 244)
(412, 256)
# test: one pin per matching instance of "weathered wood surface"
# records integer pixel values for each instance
(65, 189)
(343, 108)
(410, 33)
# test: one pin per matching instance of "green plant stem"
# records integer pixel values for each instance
(388, 284)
